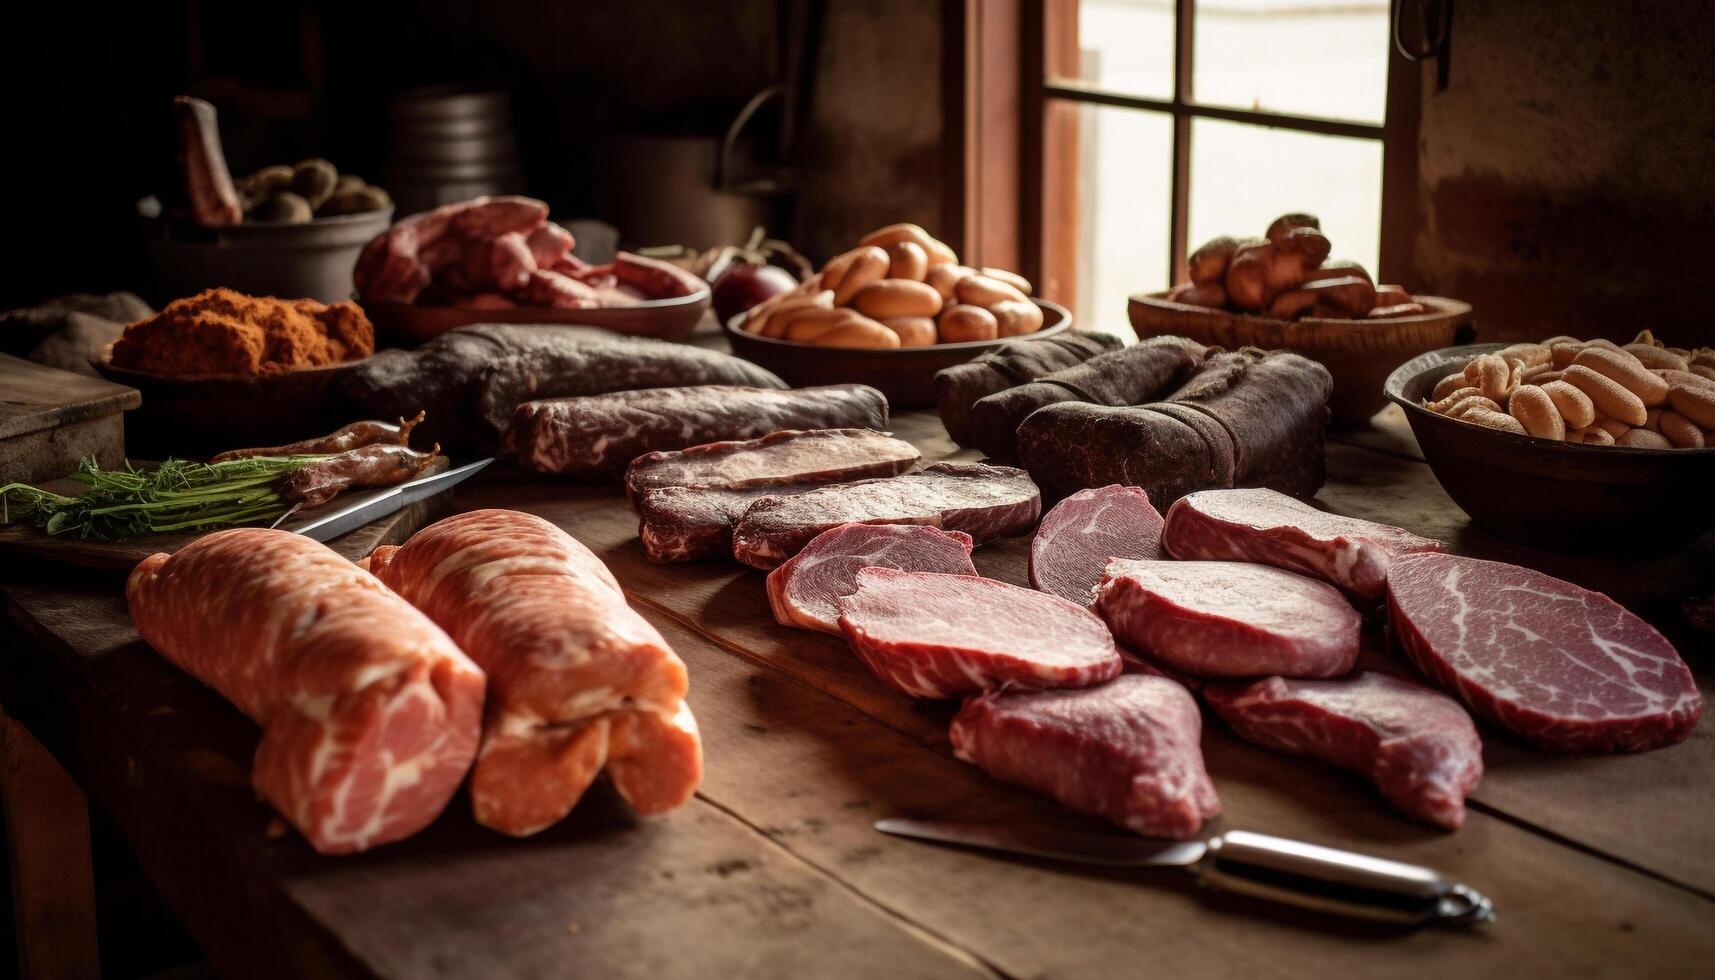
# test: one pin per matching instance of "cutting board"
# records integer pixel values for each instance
(49, 419)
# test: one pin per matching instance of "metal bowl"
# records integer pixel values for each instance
(311, 260)
(1566, 496)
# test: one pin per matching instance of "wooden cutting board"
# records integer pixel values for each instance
(49, 419)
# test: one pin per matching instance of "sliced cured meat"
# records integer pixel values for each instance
(1270, 528)
(806, 590)
(1229, 619)
(694, 523)
(792, 456)
(369, 713)
(471, 380)
(597, 435)
(577, 679)
(931, 635)
(1127, 751)
(1564, 668)
(959, 387)
(1414, 743)
(1080, 534)
(980, 500)
(1132, 375)
(1247, 419)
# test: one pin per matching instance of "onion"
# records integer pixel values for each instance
(743, 285)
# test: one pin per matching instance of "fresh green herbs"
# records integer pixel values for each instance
(178, 495)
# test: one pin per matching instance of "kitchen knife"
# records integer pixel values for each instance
(1288, 871)
(348, 512)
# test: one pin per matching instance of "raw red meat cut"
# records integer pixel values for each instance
(693, 523)
(1271, 528)
(1564, 668)
(599, 435)
(806, 590)
(370, 714)
(791, 456)
(1414, 743)
(980, 500)
(577, 679)
(1127, 751)
(1229, 619)
(1078, 537)
(932, 635)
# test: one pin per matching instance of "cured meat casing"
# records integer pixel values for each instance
(1270, 528)
(1414, 743)
(807, 589)
(370, 714)
(1080, 534)
(1127, 751)
(1564, 668)
(577, 679)
(932, 635)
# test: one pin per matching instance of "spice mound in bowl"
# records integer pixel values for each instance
(222, 332)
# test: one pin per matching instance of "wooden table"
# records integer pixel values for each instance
(1598, 866)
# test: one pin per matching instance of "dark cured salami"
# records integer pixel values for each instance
(1248, 419)
(959, 387)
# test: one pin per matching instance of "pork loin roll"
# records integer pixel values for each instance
(577, 679)
(370, 714)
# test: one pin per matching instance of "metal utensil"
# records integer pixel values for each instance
(351, 511)
(1275, 868)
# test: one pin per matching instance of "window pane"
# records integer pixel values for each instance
(1243, 177)
(1121, 46)
(1124, 179)
(1307, 57)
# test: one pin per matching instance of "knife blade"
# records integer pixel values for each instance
(351, 511)
(1274, 868)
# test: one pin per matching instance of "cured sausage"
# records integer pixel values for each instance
(369, 713)
(959, 387)
(317, 483)
(354, 436)
(577, 679)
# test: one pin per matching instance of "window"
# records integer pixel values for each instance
(1164, 123)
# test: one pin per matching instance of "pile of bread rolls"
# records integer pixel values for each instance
(900, 287)
(1645, 394)
(1287, 274)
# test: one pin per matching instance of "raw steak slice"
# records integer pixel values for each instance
(1127, 751)
(932, 635)
(1078, 537)
(577, 679)
(980, 500)
(369, 713)
(806, 590)
(1229, 619)
(791, 456)
(694, 523)
(1414, 743)
(1564, 668)
(597, 435)
(1270, 528)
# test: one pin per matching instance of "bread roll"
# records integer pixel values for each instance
(886, 298)
(913, 331)
(907, 260)
(962, 322)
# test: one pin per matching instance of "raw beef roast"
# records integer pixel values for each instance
(1078, 537)
(1561, 667)
(982, 501)
(597, 435)
(959, 387)
(1127, 751)
(801, 456)
(942, 636)
(577, 679)
(806, 590)
(1133, 375)
(1271, 528)
(471, 380)
(1229, 619)
(1415, 743)
(1247, 419)
(369, 713)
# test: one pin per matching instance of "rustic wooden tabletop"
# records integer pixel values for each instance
(1597, 866)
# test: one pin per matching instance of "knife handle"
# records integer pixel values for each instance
(1337, 882)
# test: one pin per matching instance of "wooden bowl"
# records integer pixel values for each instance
(1560, 495)
(1358, 353)
(906, 375)
(407, 325)
(193, 415)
